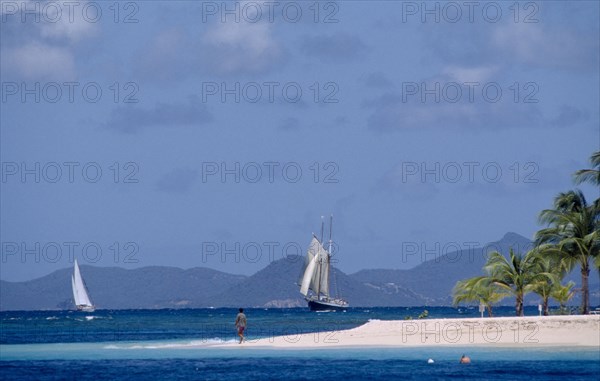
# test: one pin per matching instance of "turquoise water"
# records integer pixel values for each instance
(180, 344)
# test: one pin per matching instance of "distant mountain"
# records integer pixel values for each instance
(275, 286)
(435, 278)
(429, 283)
(117, 288)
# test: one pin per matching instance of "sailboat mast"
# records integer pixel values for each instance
(320, 264)
(329, 252)
(322, 228)
(320, 271)
(330, 229)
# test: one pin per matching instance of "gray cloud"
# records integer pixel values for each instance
(506, 44)
(241, 48)
(290, 123)
(170, 55)
(179, 180)
(132, 119)
(222, 49)
(540, 46)
(392, 111)
(337, 48)
(38, 49)
(377, 80)
(340, 120)
(568, 116)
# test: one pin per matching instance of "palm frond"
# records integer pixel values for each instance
(589, 175)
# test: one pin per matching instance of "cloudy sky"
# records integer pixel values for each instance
(217, 134)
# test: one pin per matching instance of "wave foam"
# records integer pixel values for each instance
(171, 345)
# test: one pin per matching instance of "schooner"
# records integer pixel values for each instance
(314, 278)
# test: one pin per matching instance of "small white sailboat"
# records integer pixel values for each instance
(315, 276)
(80, 294)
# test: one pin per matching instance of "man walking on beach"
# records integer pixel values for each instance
(240, 323)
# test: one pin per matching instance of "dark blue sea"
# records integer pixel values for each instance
(180, 344)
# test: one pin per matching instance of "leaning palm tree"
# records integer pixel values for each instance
(574, 230)
(478, 289)
(589, 175)
(516, 275)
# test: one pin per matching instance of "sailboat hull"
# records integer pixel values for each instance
(326, 305)
(86, 308)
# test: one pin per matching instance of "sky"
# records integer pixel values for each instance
(216, 134)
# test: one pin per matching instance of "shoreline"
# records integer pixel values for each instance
(510, 338)
(501, 332)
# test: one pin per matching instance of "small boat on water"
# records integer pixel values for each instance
(80, 294)
(315, 276)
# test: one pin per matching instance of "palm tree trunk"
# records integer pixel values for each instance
(489, 310)
(545, 305)
(585, 290)
(519, 305)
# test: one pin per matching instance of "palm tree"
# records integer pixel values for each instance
(478, 289)
(589, 175)
(574, 230)
(553, 271)
(563, 294)
(517, 275)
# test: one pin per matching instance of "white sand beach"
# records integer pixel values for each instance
(548, 331)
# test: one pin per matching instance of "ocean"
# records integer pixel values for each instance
(180, 344)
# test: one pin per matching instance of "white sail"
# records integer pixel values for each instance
(74, 289)
(79, 293)
(309, 256)
(316, 270)
(309, 268)
(320, 279)
(315, 251)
